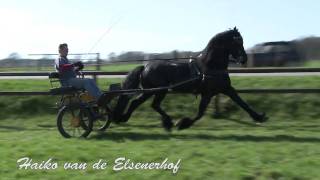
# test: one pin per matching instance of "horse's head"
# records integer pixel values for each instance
(235, 47)
(223, 48)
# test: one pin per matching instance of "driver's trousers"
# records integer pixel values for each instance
(87, 84)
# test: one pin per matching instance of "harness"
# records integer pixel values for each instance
(196, 75)
(196, 71)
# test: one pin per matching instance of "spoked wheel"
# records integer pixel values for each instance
(74, 121)
(101, 118)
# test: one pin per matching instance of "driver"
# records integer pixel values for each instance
(68, 75)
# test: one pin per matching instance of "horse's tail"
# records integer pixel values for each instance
(132, 81)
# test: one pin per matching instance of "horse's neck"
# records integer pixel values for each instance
(218, 63)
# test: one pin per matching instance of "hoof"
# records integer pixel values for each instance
(167, 125)
(120, 119)
(260, 118)
(184, 123)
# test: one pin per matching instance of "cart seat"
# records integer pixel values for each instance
(62, 89)
(54, 75)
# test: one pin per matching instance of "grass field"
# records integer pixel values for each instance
(312, 63)
(230, 147)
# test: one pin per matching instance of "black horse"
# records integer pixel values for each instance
(206, 75)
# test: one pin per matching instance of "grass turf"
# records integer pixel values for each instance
(230, 147)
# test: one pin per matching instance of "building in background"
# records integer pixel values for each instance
(278, 53)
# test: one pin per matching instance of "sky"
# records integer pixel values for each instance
(105, 26)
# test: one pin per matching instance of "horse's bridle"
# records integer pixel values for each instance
(234, 60)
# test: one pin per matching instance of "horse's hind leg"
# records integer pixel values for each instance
(134, 105)
(166, 120)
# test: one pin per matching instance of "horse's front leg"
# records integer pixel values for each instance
(187, 122)
(231, 92)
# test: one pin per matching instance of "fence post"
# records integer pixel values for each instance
(38, 65)
(98, 62)
(98, 68)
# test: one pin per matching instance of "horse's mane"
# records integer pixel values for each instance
(217, 41)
